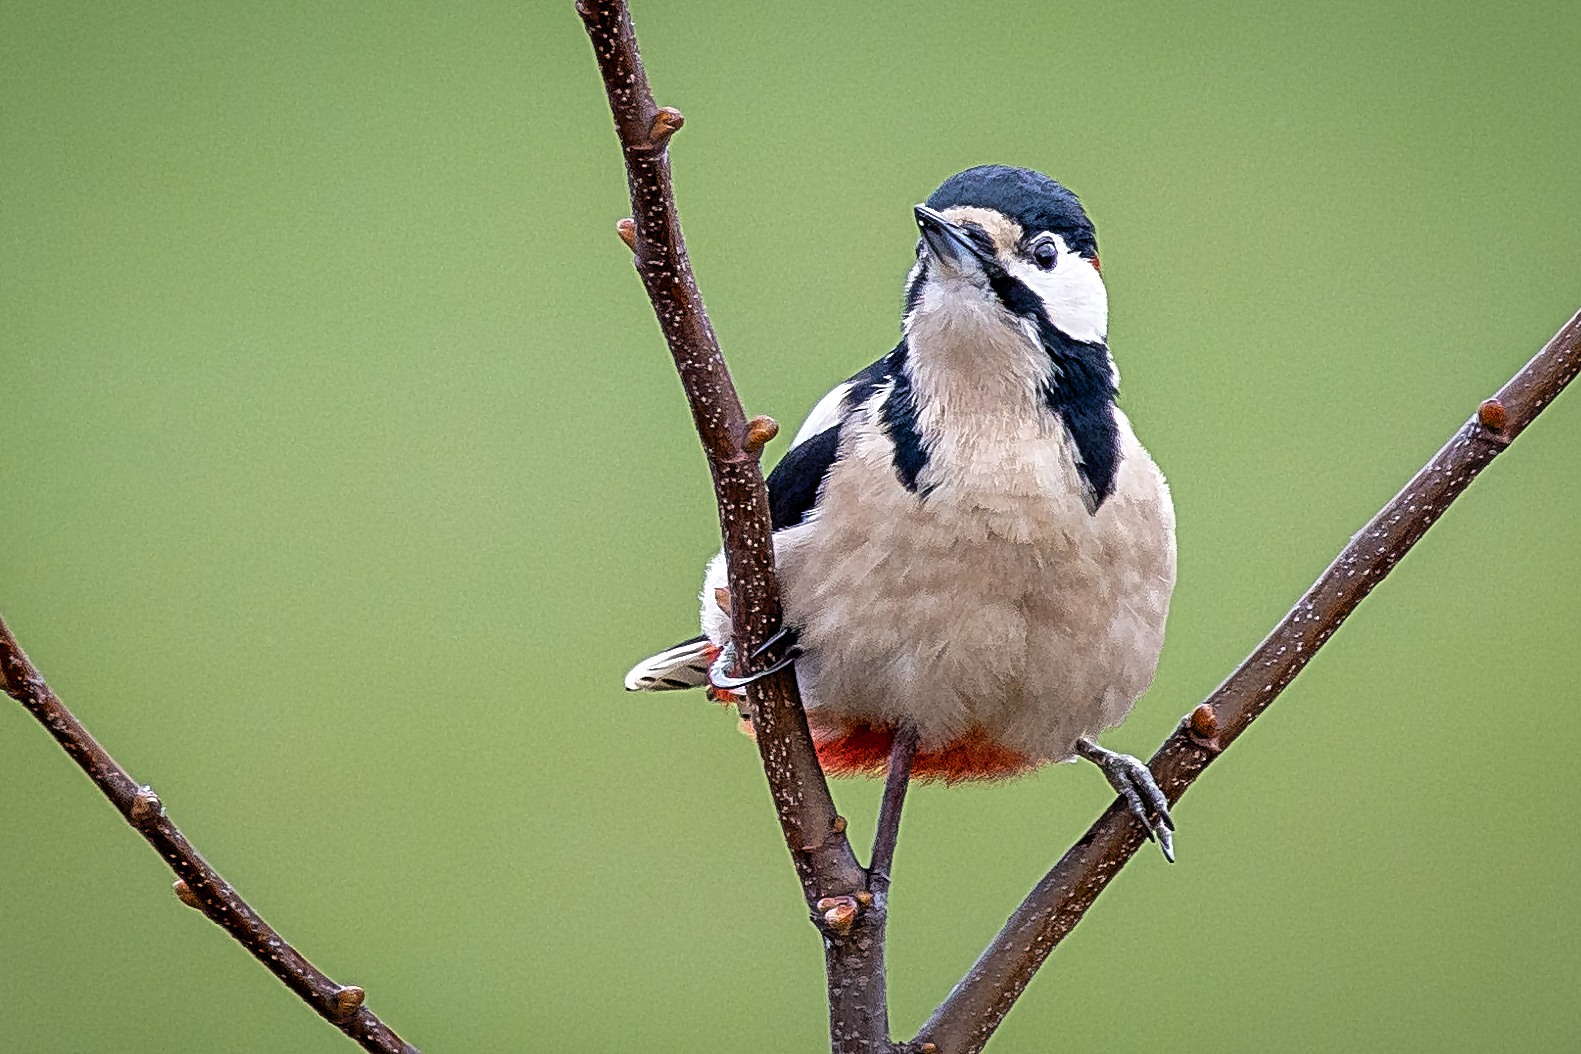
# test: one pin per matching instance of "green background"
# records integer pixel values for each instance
(343, 473)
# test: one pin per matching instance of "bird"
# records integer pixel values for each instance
(973, 547)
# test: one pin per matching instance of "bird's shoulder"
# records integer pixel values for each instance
(852, 392)
(793, 485)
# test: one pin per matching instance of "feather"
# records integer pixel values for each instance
(826, 415)
(684, 665)
(794, 483)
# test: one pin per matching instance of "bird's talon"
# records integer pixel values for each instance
(1134, 782)
(785, 635)
(720, 679)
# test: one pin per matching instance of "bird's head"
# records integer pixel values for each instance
(1006, 311)
(1016, 240)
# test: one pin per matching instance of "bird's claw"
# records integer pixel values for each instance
(732, 683)
(1134, 782)
(719, 674)
(785, 635)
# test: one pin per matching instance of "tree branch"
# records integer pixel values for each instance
(832, 880)
(968, 1017)
(852, 918)
(198, 884)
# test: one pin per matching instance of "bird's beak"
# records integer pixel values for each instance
(949, 242)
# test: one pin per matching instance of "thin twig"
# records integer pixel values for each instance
(814, 832)
(968, 1017)
(197, 883)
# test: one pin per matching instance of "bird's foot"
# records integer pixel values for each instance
(1134, 782)
(720, 674)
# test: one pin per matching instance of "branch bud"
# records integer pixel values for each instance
(1204, 726)
(759, 431)
(146, 807)
(347, 1000)
(666, 123)
(1491, 415)
(186, 895)
(627, 229)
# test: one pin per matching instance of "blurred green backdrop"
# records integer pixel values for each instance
(344, 473)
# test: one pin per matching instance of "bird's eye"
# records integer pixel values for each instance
(1045, 254)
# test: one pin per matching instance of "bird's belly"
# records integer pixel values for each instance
(1016, 625)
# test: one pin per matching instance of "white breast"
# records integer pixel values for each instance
(998, 602)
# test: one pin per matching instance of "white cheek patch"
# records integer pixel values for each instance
(1073, 293)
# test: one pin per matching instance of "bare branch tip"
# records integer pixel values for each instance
(185, 894)
(146, 806)
(666, 123)
(760, 430)
(1491, 415)
(627, 229)
(348, 1000)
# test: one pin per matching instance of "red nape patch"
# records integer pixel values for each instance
(1096, 266)
(863, 750)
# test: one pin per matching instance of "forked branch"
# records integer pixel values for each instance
(968, 1017)
(848, 903)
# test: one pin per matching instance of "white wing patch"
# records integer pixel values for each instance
(824, 416)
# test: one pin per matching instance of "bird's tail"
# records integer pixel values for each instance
(683, 666)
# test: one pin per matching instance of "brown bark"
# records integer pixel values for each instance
(965, 1020)
(814, 832)
(197, 884)
(829, 873)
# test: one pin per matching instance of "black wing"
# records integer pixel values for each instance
(794, 483)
